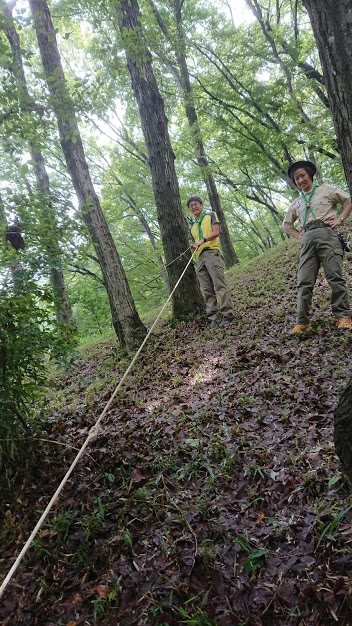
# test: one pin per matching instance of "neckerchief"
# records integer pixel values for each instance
(199, 222)
(307, 201)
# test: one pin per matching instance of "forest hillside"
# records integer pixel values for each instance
(212, 494)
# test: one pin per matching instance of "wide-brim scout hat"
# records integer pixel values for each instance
(308, 165)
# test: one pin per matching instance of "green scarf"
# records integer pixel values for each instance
(307, 201)
(199, 222)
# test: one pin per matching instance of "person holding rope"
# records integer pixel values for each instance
(316, 209)
(210, 270)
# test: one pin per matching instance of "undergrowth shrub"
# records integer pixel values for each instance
(29, 338)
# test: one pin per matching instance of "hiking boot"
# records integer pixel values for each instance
(226, 320)
(213, 323)
(345, 323)
(299, 329)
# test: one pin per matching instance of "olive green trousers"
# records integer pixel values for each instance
(211, 278)
(321, 246)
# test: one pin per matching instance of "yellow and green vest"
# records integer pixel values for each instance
(203, 228)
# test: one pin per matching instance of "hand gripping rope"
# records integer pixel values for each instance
(91, 435)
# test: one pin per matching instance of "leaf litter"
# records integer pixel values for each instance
(212, 494)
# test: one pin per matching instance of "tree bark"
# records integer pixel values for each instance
(64, 313)
(182, 76)
(187, 300)
(332, 27)
(126, 321)
(343, 430)
(227, 249)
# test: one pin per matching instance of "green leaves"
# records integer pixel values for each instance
(28, 338)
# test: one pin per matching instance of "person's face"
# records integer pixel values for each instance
(302, 179)
(196, 208)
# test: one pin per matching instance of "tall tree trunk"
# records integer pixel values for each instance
(228, 251)
(173, 227)
(64, 313)
(343, 430)
(126, 321)
(332, 27)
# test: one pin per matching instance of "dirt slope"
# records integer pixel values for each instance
(212, 494)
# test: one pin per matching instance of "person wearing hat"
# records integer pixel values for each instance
(316, 209)
(210, 270)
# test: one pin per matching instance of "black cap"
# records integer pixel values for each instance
(307, 165)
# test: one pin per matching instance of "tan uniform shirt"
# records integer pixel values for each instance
(323, 202)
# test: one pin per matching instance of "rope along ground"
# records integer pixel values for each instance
(92, 433)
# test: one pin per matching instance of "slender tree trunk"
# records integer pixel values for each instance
(228, 251)
(139, 214)
(173, 227)
(127, 324)
(64, 313)
(2, 220)
(147, 229)
(332, 27)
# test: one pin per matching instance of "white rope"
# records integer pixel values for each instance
(178, 257)
(92, 433)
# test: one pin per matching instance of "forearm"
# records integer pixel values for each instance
(211, 237)
(346, 212)
(340, 219)
(292, 232)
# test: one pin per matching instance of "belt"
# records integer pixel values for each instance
(317, 225)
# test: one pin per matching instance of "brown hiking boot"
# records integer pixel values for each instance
(345, 323)
(299, 329)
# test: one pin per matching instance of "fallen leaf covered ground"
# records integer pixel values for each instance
(212, 494)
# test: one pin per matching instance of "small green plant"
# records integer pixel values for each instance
(256, 502)
(255, 559)
(332, 526)
(40, 548)
(105, 604)
(255, 472)
(294, 612)
(110, 477)
(208, 552)
(335, 479)
(255, 562)
(127, 539)
(197, 618)
(62, 524)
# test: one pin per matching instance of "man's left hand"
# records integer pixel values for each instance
(333, 222)
(196, 245)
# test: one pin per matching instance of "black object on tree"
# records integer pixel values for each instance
(13, 235)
